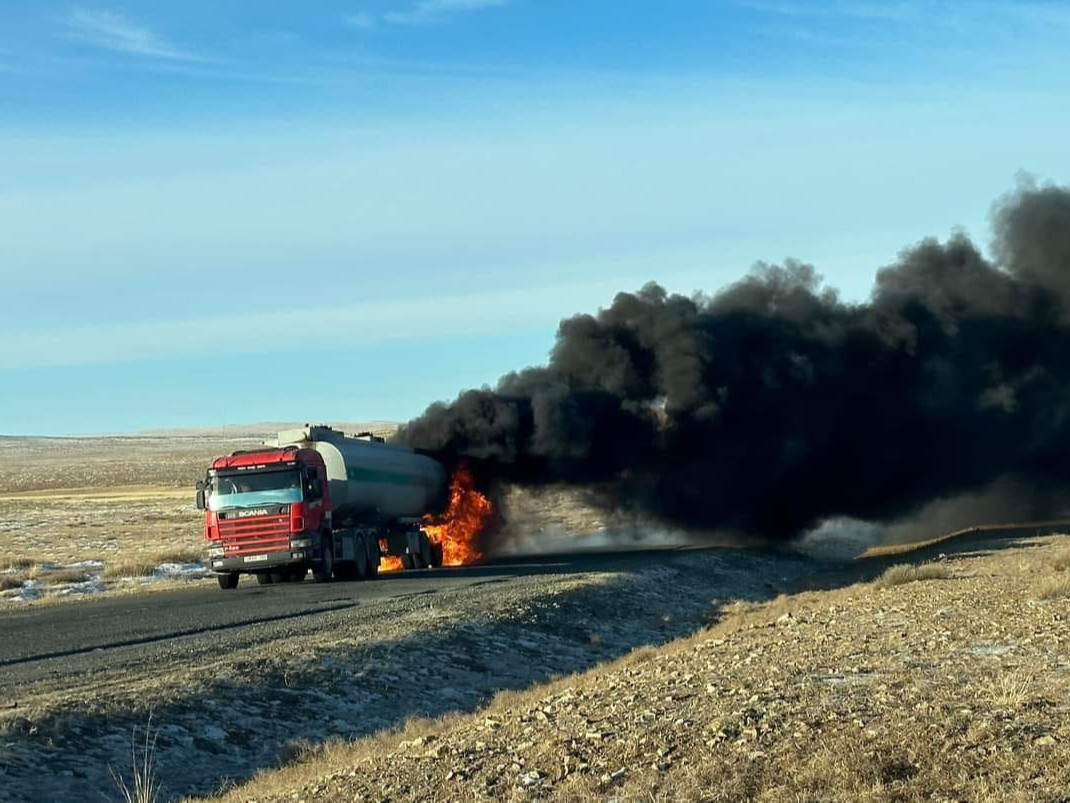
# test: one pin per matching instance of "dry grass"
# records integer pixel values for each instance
(1054, 588)
(906, 573)
(145, 565)
(130, 567)
(143, 786)
(1061, 560)
(186, 555)
(18, 562)
(9, 581)
(1011, 690)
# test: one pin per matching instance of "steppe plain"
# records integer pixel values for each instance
(683, 674)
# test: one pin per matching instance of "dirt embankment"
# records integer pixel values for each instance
(951, 681)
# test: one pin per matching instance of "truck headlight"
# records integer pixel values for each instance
(215, 552)
(300, 543)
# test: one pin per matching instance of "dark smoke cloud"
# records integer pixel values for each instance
(773, 405)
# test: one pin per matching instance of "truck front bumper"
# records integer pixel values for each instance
(304, 548)
(265, 560)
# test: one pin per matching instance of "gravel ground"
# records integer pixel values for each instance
(955, 687)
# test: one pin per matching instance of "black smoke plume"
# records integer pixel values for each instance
(773, 405)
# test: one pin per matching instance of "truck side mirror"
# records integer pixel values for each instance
(200, 499)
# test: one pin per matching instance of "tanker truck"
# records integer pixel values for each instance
(319, 500)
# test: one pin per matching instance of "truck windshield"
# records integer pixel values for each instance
(250, 490)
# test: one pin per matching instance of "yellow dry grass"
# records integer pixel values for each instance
(143, 565)
(1054, 588)
(907, 573)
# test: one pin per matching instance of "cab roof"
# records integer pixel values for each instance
(268, 457)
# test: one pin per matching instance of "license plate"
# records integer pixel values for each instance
(256, 558)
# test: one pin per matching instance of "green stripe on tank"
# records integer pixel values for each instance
(357, 474)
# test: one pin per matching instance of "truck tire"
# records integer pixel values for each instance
(408, 561)
(426, 552)
(360, 565)
(374, 559)
(228, 581)
(436, 555)
(264, 579)
(323, 572)
(297, 575)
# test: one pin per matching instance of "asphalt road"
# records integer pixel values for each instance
(55, 643)
(47, 642)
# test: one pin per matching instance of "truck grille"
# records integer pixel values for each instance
(255, 534)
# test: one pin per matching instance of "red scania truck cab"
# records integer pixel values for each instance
(320, 501)
(267, 510)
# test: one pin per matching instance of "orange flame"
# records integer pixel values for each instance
(459, 529)
(390, 563)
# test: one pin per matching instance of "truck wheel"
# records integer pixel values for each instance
(360, 565)
(264, 579)
(373, 561)
(298, 575)
(408, 561)
(426, 552)
(227, 581)
(323, 571)
(436, 555)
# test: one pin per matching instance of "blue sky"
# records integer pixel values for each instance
(233, 211)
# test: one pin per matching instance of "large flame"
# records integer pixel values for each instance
(459, 529)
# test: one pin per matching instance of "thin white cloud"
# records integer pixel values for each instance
(362, 20)
(927, 12)
(112, 31)
(489, 313)
(854, 9)
(429, 11)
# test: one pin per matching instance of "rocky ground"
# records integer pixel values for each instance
(948, 683)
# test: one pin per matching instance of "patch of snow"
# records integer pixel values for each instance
(87, 565)
(91, 585)
(178, 571)
(30, 590)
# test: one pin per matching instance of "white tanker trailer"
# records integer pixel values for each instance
(322, 501)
